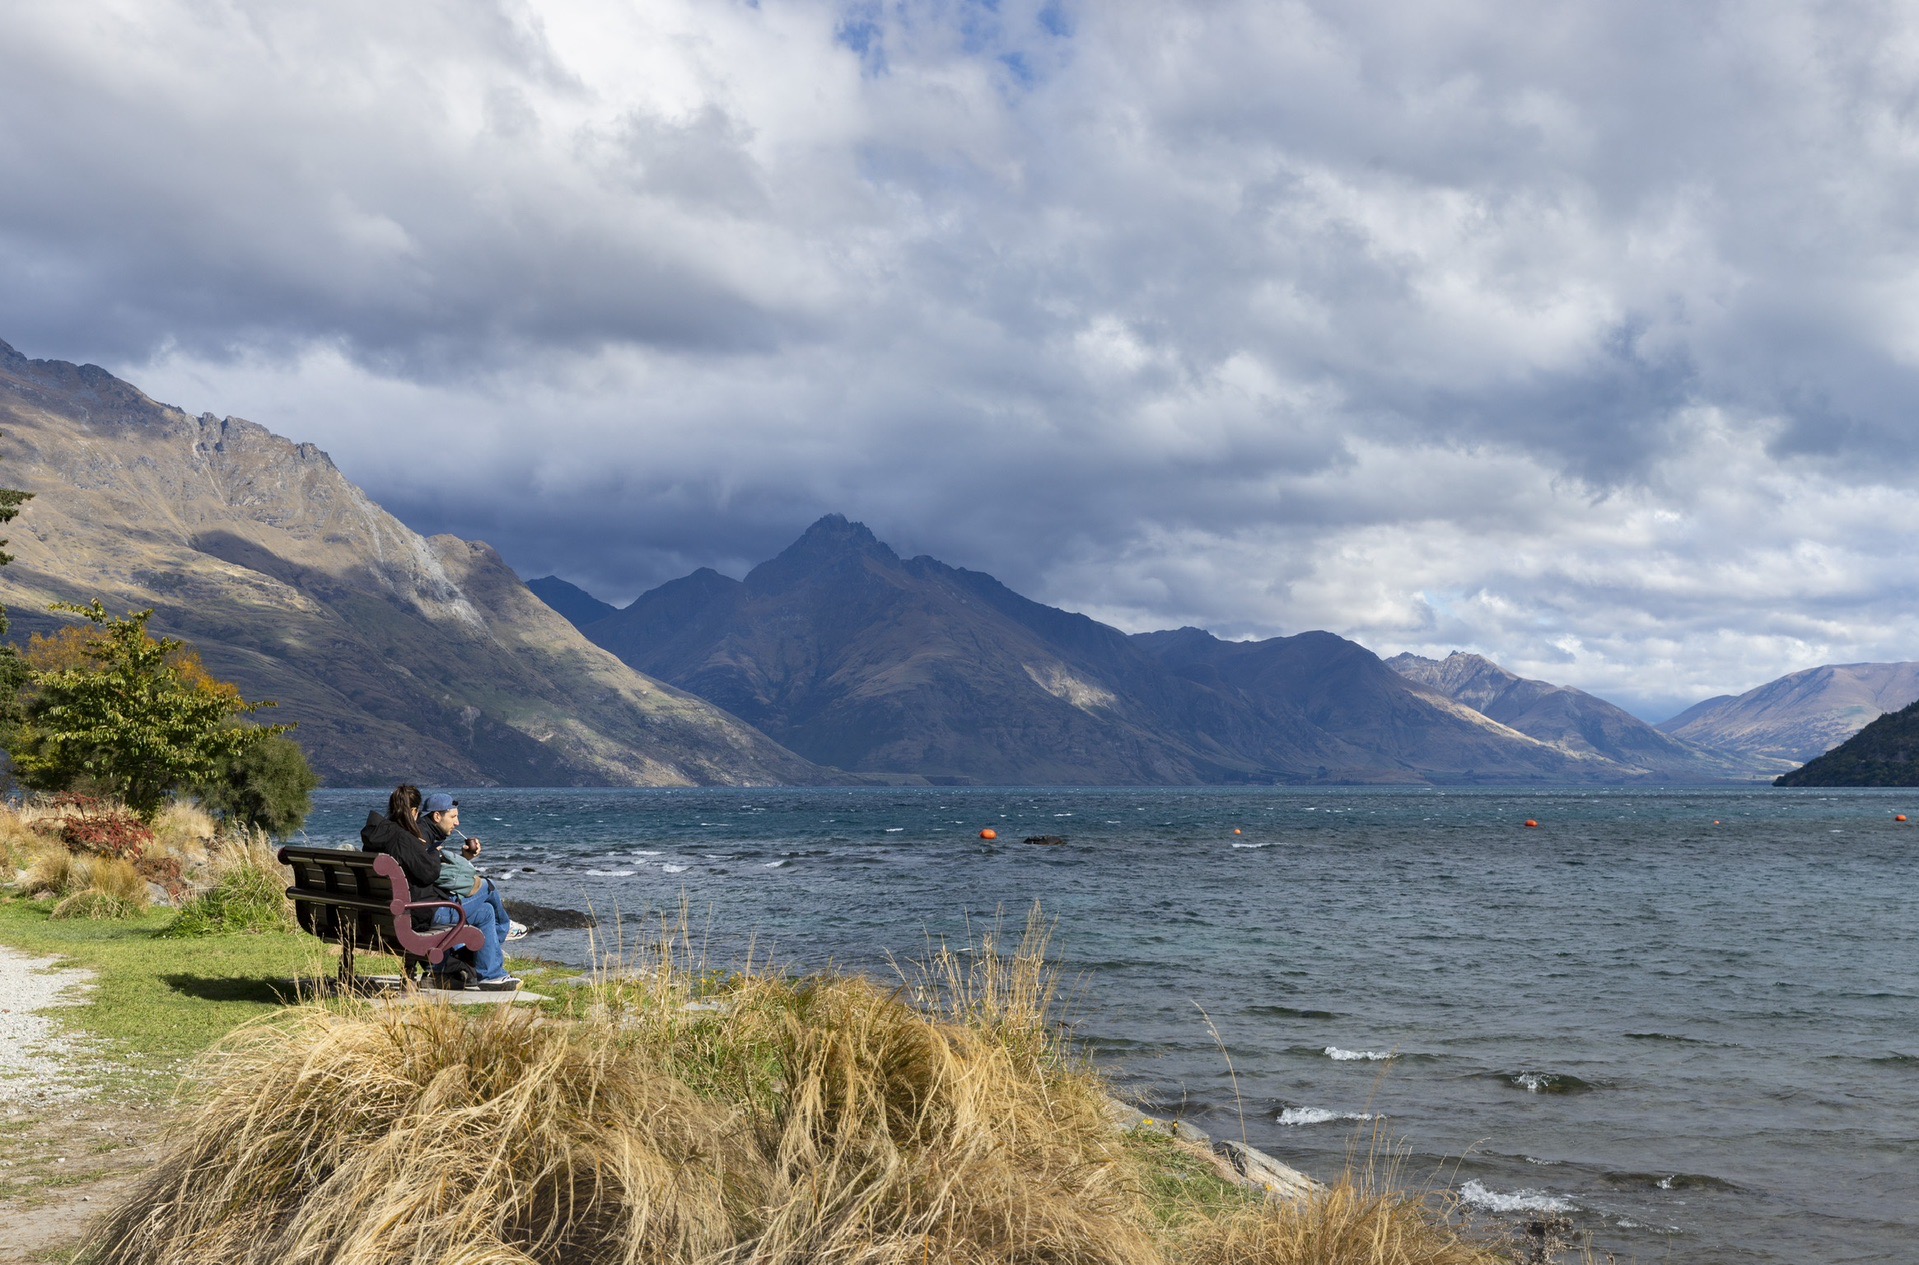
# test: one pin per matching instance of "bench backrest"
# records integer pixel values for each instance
(337, 890)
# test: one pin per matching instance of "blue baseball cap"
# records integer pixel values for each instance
(439, 802)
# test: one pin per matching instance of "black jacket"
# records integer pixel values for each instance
(421, 863)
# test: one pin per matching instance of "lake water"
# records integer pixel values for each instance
(1689, 1019)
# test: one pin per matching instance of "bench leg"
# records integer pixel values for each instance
(347, 980)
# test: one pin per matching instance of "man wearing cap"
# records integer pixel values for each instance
(440, 820)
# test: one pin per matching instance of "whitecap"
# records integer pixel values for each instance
(1347, 1056)
(893, 830)
(612, 873)
(674, 869)
(1318, 1115)
(1518, 1201)
(772, 865)
(1252, 845)
(646, 854)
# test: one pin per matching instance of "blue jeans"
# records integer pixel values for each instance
(486, 911)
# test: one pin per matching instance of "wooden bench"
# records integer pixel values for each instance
(359, 900)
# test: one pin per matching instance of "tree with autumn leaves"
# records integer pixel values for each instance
(111, 708)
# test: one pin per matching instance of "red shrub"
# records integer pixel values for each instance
(96, 827)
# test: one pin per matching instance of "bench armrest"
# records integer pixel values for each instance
(452, 933)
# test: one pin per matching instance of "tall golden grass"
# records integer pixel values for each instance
(679, 1115)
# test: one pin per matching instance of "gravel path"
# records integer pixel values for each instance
(39, 1064)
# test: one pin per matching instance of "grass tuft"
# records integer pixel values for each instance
(246, 898)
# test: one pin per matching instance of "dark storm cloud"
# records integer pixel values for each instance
(1576, 333)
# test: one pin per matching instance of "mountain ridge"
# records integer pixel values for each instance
(400, 657)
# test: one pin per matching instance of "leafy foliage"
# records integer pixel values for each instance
(98, 828)
(137, 718)
(266, 782)
(13, 673)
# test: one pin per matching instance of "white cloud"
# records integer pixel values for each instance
(1582, 336)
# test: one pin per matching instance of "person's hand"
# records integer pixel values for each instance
(470, 849)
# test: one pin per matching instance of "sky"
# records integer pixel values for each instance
(1583, 335)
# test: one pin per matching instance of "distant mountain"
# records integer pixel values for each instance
(1560, 716)
(1884, 753)
(398, 656)
(857, 658)
(579, 607)
(1784, 723)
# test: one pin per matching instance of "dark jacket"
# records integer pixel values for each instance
(421, 863)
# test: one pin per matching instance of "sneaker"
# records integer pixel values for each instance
(516, 931)
(504, 984)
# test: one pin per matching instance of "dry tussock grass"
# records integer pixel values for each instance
(682, 1116)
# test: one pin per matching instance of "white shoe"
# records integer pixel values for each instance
(516, 931)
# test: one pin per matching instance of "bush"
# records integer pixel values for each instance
(267, 784)
(98, 827)
(246, 898)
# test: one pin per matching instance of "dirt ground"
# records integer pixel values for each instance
(62, 1163)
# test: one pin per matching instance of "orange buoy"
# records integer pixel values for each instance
(989, 833)
(1531, 824)
(1900, 817)
(1715, 821)
(1236, 829)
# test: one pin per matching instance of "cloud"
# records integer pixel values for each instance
(1583, 336)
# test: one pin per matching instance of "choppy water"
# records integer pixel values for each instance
(1689, 1019)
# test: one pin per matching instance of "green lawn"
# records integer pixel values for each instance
(156, 1000)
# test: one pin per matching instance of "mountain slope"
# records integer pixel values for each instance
(1569, 719)
(575, 604)
(399, 657)
(1884, 753)
(1784, 723)
(855, 657)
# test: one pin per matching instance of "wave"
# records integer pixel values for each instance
(1318, 1115)
(1665, 1036)
(772, 865)
(893, 830)
(1338, 1055)
(1547, 1082)
(1476, 1194)
(646, 854)
(612, 873)
(1670, 1181)
(1252, 845)
(1290, 1012)
(675, 869)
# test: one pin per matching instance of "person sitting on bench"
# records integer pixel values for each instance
(398, 834)
(440, 824)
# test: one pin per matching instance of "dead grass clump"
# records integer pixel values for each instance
(18, 842)
(681, 1115)
(102, 887)
(53, 871)
(184, 830)
(426, 1135)
(1353, 1222)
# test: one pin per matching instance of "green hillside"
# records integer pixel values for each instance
(1884, 753)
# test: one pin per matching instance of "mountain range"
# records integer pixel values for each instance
(1784, 723)
(397, 656)
(837, 660)
(857, 658)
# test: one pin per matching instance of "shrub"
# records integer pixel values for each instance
(98, 827)
(266, 783)
(54, 871)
